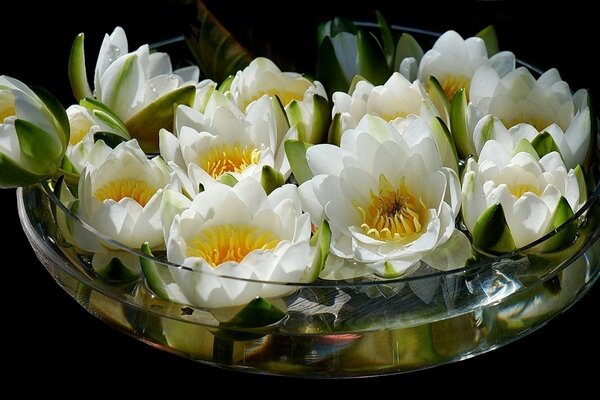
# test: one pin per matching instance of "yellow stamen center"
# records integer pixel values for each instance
(223, 243)
(393, 213)
(520, 190)
(135, 189)
(223, 159)
(453, 83)
(6, 112)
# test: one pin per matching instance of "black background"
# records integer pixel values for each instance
(51, 341)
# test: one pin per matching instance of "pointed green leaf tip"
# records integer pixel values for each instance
(439, 100)
(322, 241)
(566, 235)
(371, 59)
(145, 125)
(544, 144)
(458, 124)
(387, 38)
(217, 52)
(489, 36)
(110, 139)
(295, 151)
(228, 180)
(151, 272)
(271, 179)
(491, 232)
(407, 46)
(77, 72)
(256, 314)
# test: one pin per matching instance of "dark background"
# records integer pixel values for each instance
(51, 341)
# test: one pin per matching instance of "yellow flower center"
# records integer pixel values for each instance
(7, 111)
(393, 213)
(225, 158)
(223, 243)
(135, 189)
(453, 83)
(537, 121)
(520, 190)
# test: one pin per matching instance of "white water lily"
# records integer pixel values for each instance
(517, 106)
(396, 99)
(141, 87)
(305, 101)
(33, 134)
(535, 196)
(453, 61)
(82, 147)
(388, 200)
(239, 232)
(120, 197)
(223, 140)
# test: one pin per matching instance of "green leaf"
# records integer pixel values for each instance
(295, 151)
(146, 123)
(228, 180)
(491, 232)
(321, 120)
(112, 140)
(582, 183)
(387, 38)
(115, 271)
(355, 80)
(58, 112)
(371, 59)
(439, 100)
(488, 34)
(226, 84)
(445, 143)
(407, 46)
(271, 179)
(330, 71)
(321, 240)
(567, 234)
(105, 114)
(335, 130)
(39, 149)
(77, 72)
(544, 144)
(217, 52)
(524, 146)
(458, 124)
(155, 275)
(341, 24)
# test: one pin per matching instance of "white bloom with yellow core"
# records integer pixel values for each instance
(230, 236)
(535, 195)
(305, 101)
(121, 195)
(34, 134)
(518, 106)
(223, 140)
(453, 61)
(388, 200)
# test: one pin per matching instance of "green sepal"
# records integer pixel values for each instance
(321, 240)
(439, 99)
(544, 144)
(491, 232)
(407, 46)
(12, 175)
(145, 124)
(112, 140)
(371, 60)
(295, 151)
(389, 49)
(228, 179)
(329, 70)
(524, 146)
(582, 183)
(38, 148)
(445, 143)
(271, 179)
(258, 313)
(458, 124)
(77, 72)
(334, 135)
(105, 114)
(155, 275)
(116, 271)
(58, 112)
(489, 36)
(567, 234)
(226, 84)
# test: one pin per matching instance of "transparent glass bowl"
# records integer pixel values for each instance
(332, 328)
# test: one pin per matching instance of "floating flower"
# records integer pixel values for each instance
(224, 141)
(526, 195)
(542, 111)
(305, 101)
(453, 61)
(388, 200)
(34, 133)
(231, 235)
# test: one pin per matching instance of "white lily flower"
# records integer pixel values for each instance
(33, 134)
(396, 99)
(517, 106)
(305, 101)
(239, 232)
(387, 197)
(120, 196)
(225, 141)
(534, 194)
(453, 61)
(137, 86)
